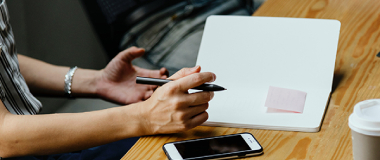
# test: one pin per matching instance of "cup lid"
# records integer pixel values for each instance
(365, 118)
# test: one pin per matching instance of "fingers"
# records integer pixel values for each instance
(198, 119)
(196, 110)
(194, 80)
(195, 116)
(185, 72)
(131, 53)
(148, 93)
(164, 72)
(192, 116)
(197, 98)
(194, 113)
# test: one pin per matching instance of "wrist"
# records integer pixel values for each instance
(135, 124)
(151, 123)
(84, 83)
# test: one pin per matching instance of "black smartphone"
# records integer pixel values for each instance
(220, 147)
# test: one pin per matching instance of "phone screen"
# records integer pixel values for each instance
(212, 146)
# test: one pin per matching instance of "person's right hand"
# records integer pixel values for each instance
(172, 109)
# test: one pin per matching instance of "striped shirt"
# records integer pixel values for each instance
(14, 93)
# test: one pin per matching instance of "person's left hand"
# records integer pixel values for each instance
(117, 82)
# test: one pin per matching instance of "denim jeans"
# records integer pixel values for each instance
(111, 151)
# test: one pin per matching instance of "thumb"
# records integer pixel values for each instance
(130, 54)
(185, 72)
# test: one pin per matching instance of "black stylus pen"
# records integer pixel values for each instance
(160, 82)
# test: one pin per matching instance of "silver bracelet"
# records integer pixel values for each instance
(68, 80)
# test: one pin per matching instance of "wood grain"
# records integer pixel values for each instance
(356, 78)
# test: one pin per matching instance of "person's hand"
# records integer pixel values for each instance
(172, 109)
(117, 82)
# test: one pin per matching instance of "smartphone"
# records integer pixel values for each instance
(220, 147)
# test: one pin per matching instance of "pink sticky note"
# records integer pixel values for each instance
(285, 99)
(274, 110)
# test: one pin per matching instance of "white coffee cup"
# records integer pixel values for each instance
(365, 129)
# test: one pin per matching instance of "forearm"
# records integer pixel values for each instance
(45, 79)
(170, 109)
(58, 133)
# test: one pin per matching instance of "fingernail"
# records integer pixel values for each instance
(194, 68)
(211, 95)
(213, 77)
(141, 49)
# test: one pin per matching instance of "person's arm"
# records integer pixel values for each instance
(45, 79)
(58, 133)
(170, 109)
(115, 83)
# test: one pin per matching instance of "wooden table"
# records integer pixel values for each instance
(357, 78)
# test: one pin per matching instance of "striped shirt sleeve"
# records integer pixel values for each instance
(14, 93)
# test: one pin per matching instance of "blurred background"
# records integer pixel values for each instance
(60, 32)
